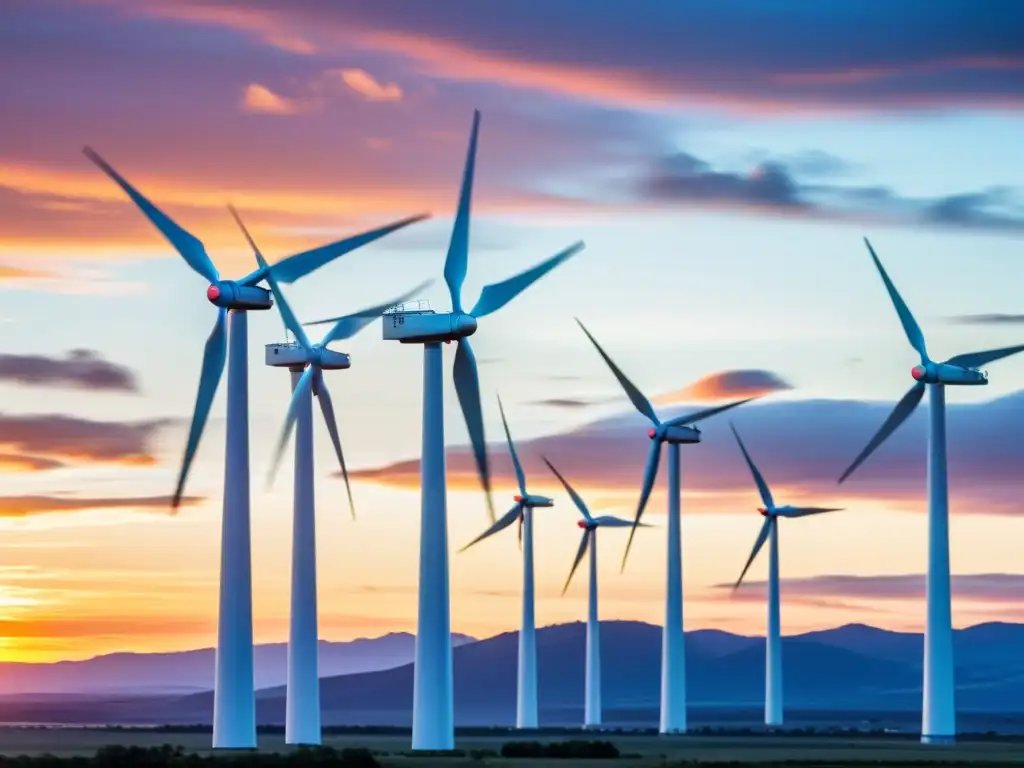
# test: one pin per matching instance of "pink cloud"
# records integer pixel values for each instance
(801, 446)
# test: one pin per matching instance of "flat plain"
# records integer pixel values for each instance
(636, 749)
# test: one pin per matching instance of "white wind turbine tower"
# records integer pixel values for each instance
(234, 697)
(433, 726)
(770, 532)
(590, 524)
(938, 711)
(307, 362)
(681, 430)
(526, 683)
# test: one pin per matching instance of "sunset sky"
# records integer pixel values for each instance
(722, 167)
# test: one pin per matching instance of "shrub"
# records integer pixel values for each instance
(575, 749)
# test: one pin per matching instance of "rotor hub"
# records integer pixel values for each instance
(918, 372)
(213, 293)
(582, 524)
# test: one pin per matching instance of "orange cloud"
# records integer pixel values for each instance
(8, 272)
(10, 462)
(727, 385)
(27, 506)
(363, 83)
(259, 98)
(71, 439)
(92, 628)
(602, 84)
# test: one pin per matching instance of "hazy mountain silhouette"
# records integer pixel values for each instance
(191, 671)
(850, 668)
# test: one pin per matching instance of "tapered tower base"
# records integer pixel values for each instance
(234, 696)
(433, 713)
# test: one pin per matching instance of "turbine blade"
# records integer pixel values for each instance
(467, 387)
(520, 532)
(291, 323)
(290, 269)
(520, 477)
(347, 326)
(762, 537)
(910, 326)
(584, 543)
(617, 522)
(496, 295)
(327, 408)
(899, 414)
(650, 475)
(762, 486)
(302, 390)
(978, 359)
(503, 522)
(456, 262)
(185, 243)
(805, 511)
(640, 402)
(692, 418)
(214, 356)
(569, 490)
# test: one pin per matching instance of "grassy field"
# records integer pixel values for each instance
(638, 750)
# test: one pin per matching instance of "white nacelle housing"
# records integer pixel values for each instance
(942, 373)
(291, 354)
(416, 326)
(286, 355)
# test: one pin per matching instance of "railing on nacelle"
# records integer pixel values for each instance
(418, 307)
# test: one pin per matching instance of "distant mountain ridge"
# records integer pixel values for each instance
(853, 668)
(190, 671)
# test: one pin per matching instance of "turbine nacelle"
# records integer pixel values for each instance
(682, 434)
(944, 373)
(530, 500)
(231, 295)
(328, 359)
(424, 326)
(294, 355)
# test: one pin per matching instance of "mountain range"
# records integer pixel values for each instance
(191, 671)
(849, 668)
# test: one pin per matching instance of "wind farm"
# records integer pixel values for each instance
(192, 571)
(588, 549)
(770, 533)
(522, 512)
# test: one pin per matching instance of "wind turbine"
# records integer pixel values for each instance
(526, 688)
(307, 362)
(938, 717)
(769, 532)
(433, 710)
(674, 432)
(234, 699)
(590, 524)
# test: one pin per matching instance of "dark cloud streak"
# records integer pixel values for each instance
(773, 188)
(994, 587)
(79, 369)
